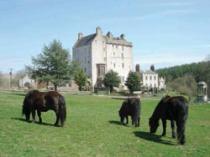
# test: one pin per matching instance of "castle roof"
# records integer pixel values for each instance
(117, 41)
(85, 40)
(109, 39)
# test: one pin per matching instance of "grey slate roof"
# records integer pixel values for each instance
(88, 39)
(149, 72)
(117, 41)
(85, 40)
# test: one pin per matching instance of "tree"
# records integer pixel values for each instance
(185, 85)
(111, 80)
(199, 71)
(52, 65)
(80, 78)
(207, 57)
(133, 82)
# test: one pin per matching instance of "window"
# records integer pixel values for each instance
(122, 55)
(154, 77)
(145, 77)
(114, 65)
(113, 53)
(122, 65)
(150, 77)
(100, 70)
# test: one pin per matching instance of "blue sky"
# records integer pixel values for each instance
(163, 32)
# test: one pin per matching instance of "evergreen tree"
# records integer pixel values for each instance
(52, 65)
(133, 82)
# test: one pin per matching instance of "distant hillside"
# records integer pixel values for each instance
(200, 71)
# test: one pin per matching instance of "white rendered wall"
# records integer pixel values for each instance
(83, 56)
(119, 59)
(150, 80)
(98, 55)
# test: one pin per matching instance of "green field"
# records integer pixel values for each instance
(92, 129)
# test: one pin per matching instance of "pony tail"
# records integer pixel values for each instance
(26, 108)
(62, 109)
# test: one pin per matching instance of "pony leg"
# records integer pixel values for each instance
(138, 121)
(126, 119)
(181, 132)
(173, 131)
(57, 119)
(27, 115)
(33, 115)
(133, 120)
(164, 127)
(39, 114)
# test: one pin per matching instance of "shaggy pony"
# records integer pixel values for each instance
(42, 102)
(173, 109)
(130, 107)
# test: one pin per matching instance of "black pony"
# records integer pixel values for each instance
(42, 102)
(130, 107)
(173, 109)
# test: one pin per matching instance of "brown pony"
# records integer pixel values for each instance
(42, 102)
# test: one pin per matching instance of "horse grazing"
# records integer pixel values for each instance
(42, 102)
(173, 109)
(130, 107)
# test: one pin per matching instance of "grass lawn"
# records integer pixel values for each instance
(92, 129)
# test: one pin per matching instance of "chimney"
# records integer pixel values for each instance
(80, 36)
(138, 68)
(122, 36)
(98, 31)
(109, 35)
(152, 67)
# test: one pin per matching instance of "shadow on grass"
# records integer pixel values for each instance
(115, 122)
(151, 137)
(23, 120)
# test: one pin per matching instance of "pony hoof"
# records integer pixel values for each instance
(56, 124)
(182, 142)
